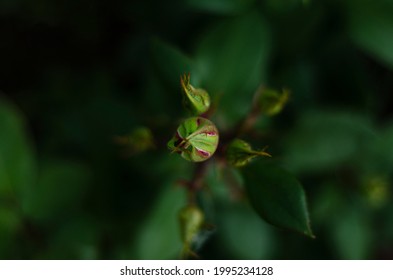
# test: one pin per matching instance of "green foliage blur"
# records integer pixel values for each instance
(77, 76)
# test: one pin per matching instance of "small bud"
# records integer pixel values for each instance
(196, 100)
(191, 219)
(272, 102)
(376, 189)
(196, 139)
(139, 140)
(239, 153)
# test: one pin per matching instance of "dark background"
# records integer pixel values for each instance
(76, 74)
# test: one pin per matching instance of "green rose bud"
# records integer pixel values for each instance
(191, 220)
(196, 100)
(239, 153)
(272, 102)
(196, 139)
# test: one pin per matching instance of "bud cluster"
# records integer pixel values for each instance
(196, 139)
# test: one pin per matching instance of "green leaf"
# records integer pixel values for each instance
(170, 62)
(277, 197)
(243, 233)
(10, 224)
(381, 154)
(221, 6)
(159, 237)
(371, 28)
(76, 238)
(60, 190)
(17, 162)
(231, 59)
(352, 234)
(324, 140)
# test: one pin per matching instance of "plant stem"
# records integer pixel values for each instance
(196, 182)
(252, 116)
(246, 124)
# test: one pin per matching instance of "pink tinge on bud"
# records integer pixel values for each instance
(203, 153)
(178, 135)
(211, 133)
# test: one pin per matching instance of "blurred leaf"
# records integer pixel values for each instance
(352, 234)
(381, 153)
(218, 190)
(191, 219)
(221, 6)
(326, 204)
(299, 77)
(283, 6)
(17, 163)
(389, 221)
(231, 58)
(9, 220)
(371, 27)
(60, 190)
(322, 140)
(277, 197)
(159, 237)
(243, 233)
(75, 239)
(10, 223)
(170, 62)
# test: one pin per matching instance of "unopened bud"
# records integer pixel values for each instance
(196, 139)
(191, 219)
(272, 102)
(196, 100)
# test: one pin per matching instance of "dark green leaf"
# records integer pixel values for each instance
(277, 197)
(231, 59)
(60, 190)
(221, 6)
(76, 238)
(381, 153)
(243, 232)
(17, 163)
(352, 234)
(159, 236)
(170, 63)
(10, 224)
(322, 140)
(371, 27)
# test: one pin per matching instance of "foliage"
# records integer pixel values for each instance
(78, 91)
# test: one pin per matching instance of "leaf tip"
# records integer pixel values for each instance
(310, 234)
